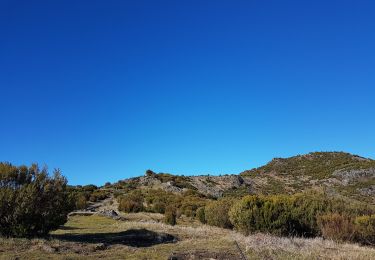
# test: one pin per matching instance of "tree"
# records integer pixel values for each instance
(31, 202)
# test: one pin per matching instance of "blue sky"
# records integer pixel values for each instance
(105, 90)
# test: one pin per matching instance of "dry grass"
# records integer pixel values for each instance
(192, 237)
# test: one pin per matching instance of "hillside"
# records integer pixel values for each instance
(338, 173)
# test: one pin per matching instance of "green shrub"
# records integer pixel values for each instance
(216, 213)
(158, 207)
(305, 209)
(336, 227)
(365, 229)
(80, 201)
(189, 205)
(201, 215)
(270, 214)
(31, 202)
(170, 216)
(132, 202)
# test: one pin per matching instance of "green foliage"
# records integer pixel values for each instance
(237, 192)
(156, 200)
(126, 185)
(82, 195)
(170, 216)
(270, 214)
(98, 195)
(216, 213)
(295, 215)
(81, 201)
(132, 202)
(31, 202)
(201, 215)
(365, 229)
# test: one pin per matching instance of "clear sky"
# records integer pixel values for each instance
(107, 89)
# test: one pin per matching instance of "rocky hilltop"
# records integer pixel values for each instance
(339, 173)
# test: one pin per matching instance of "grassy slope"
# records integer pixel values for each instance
(193, 238)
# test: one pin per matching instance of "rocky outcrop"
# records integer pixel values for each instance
(215, 186)
(349, 176)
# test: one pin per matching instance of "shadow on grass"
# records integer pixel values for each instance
(131, 237)
(68, 228)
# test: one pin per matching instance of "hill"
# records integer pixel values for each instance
(338, 173)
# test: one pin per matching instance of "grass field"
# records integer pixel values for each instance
(142, 236)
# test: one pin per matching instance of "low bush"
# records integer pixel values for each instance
(336, 227)
(270, 214)
(132, 202)
(365, 229)
(216, 213)
(307, 214)
(80, 201)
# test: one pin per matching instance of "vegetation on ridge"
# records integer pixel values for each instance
(318, 164)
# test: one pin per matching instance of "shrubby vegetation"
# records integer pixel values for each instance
(305, 214)
(132, 202)
(319, 164)
(201, 215)
(175, 180)
(294, 215)
(156, 200)
(341, 227)
(170, 216)
(216, 213)
(83, 195)
(32, 203)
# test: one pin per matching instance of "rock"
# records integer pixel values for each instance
(100, 246)
(108, 213)
(348, 176)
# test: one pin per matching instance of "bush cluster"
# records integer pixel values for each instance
(85, 194)
(132, 202)
(157, 200)
(216, 213)
(295, 215)
(32, 203)
(340, 227)
(306, 214)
